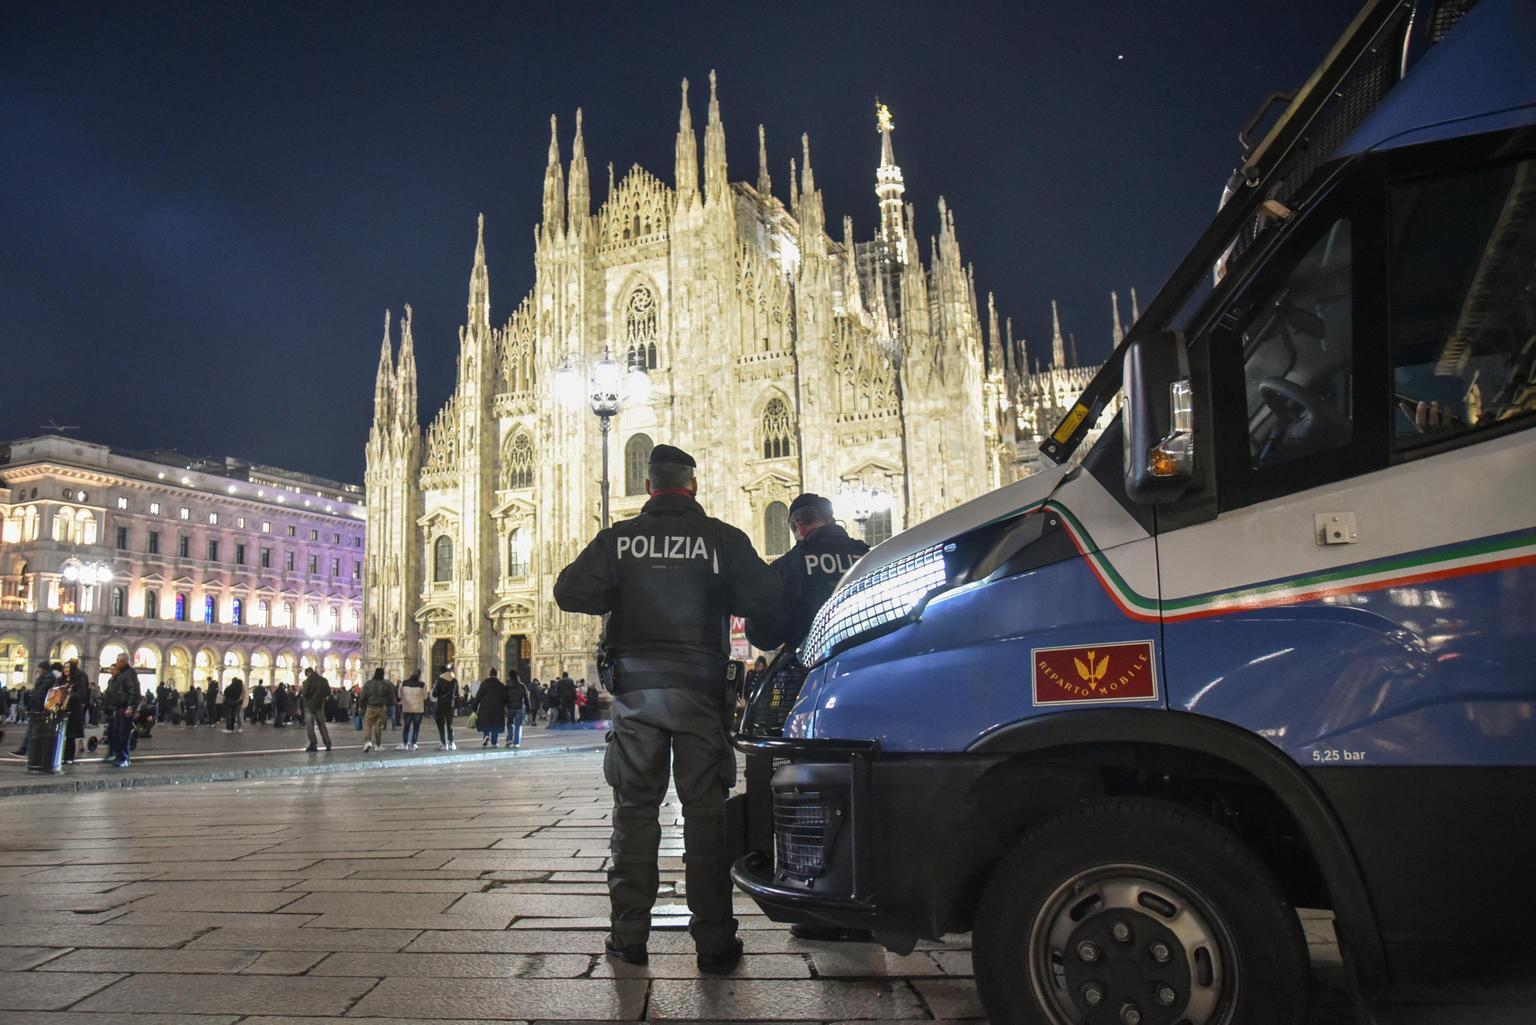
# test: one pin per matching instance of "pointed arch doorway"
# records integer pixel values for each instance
(442, 656)
(517, 654)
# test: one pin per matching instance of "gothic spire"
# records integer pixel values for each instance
(1058, 344)
(578, 204)
(716, 181)
(994, 338)
(554, 184)
(851, 267)
(1072, 344)
(1114, 305)
(812, 216)
(384, 381)
(764, 183)
(686, 173)
(480, 281)
(794, 188)
(405, 378)
(1135, 310)
(889, 187)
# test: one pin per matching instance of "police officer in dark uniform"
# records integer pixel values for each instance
(669, 580)
(808, 573)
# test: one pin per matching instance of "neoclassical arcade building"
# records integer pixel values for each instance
(195, 568)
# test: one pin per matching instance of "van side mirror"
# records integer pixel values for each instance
(1158, 417)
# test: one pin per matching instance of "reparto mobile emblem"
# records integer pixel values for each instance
(1094, 674)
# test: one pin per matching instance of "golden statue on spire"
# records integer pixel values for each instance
(883, 122)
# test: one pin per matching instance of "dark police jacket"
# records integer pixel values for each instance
(807, 575)
(669, 580)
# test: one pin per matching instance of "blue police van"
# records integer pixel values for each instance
(1270, 644)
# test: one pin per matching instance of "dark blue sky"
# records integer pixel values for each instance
(207, 207)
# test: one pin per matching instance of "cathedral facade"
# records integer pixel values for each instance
(784, 357)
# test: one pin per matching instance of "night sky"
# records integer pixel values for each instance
(208, 207)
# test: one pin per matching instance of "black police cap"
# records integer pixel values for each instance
(672, 454)
(810, 499)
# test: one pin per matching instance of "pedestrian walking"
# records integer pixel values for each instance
(122, 698)
(233, 694)
(413, 705)
(517, 707)
(313, 696)
(259, 698)
(377, 697)
(669, 580)
(191, 707)
(79, 701)
(445, 695)
(491, 709)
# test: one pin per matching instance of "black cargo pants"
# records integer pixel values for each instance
(687, 728)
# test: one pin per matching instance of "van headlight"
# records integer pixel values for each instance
(878, 601)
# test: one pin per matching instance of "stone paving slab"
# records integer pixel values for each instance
(181, 962)
(282, 962)
(49, 991)
(74, 1018)
(555, 999)
(460, 966)
(20, 959)
(722, 1000)
(229, 994)
(388, 940)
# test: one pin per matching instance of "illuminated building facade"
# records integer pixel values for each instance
(195, 568)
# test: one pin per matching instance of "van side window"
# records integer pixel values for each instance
(1298, 357)
(1463, 301)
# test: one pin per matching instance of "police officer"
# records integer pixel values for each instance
(669, 580)
(807, 574)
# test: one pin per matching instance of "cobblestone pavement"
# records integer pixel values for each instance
(430, 893)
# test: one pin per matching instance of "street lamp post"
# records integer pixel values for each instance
(860, 504)
(608, 387)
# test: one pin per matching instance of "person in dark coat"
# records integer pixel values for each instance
(33, 701)
(517, 707)
(233, 695)
(123, 697)
(491, 709)
(79, 700)
(445, 698)
(192, 706)
(211, 703)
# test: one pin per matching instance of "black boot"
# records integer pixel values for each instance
(633, 953)
(721, 962)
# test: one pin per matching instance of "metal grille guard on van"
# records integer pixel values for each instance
(755, 872)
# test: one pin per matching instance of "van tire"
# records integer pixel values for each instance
(1052, 916)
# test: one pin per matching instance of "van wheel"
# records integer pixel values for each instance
(1126, 911)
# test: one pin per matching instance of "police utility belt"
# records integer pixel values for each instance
(707, 674)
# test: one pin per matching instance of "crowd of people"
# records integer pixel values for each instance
(128, 712)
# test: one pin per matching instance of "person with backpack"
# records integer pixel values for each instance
(413, 705)
(377, 698)
(445, 695)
